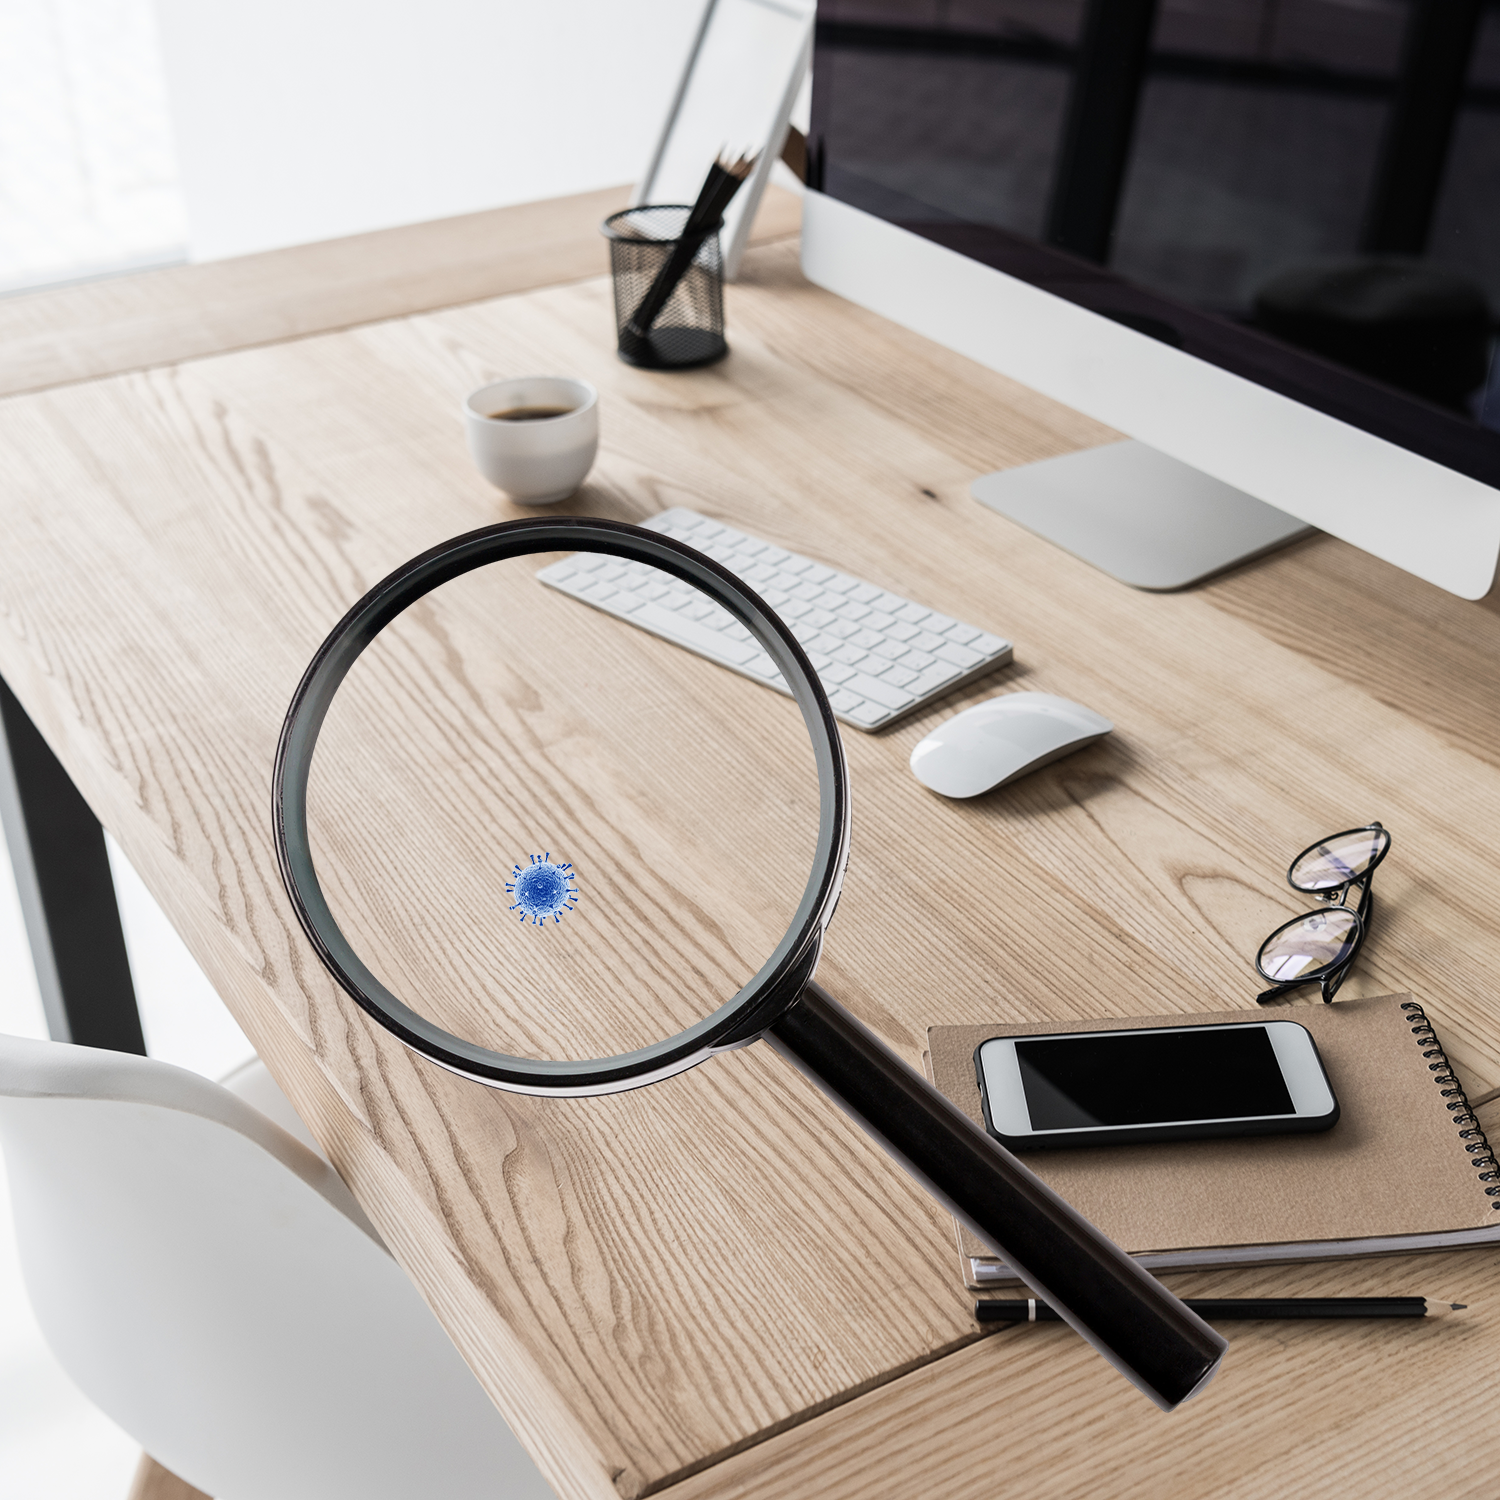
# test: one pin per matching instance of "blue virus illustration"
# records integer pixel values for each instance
(542, 889)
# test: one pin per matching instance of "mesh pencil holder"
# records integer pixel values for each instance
(688, 330)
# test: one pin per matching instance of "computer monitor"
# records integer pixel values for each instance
(1258, 238)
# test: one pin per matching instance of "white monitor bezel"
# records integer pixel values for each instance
(1430, 520)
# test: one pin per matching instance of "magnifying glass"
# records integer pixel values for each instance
(606, 931)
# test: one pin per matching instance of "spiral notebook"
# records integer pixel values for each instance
(1406, 1168)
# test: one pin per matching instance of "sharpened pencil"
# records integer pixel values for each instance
(1220, 1309)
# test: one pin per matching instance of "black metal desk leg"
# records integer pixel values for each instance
(67, 893)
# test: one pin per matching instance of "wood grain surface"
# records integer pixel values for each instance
(1327, 1409)
(120, 323)
(152, 1482)
(716, 1286)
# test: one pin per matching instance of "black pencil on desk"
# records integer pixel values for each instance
(1219, 1309)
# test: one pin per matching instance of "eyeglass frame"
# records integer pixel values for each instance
(1330, 976)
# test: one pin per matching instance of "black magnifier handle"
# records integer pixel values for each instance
(1140, 1327)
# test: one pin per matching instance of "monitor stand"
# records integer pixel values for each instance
(1138, 515)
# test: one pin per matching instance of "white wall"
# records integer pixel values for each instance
(301, 120)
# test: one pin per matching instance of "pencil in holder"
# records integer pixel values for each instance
(669, 291)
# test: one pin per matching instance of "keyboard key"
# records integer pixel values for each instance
(931, 680)
(960, 656)
(877, 691)
(877, 653)
(707, 642)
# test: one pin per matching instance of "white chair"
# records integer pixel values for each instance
(210, 1284)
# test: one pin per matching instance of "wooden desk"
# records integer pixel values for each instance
(779, 1314)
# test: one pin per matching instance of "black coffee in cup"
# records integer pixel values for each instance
(529, 413)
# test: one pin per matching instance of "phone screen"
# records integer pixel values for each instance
(1204, 1073)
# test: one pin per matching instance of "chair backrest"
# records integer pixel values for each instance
(211, 1285)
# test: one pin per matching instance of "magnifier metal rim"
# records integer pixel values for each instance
(739, 1020)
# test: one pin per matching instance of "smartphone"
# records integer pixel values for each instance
(1164, 1083)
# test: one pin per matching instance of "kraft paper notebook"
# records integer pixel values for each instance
(1400, 1171)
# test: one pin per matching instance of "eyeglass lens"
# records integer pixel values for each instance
(1318, 941)
(1339, 860)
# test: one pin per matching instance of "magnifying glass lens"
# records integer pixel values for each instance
(554, 834)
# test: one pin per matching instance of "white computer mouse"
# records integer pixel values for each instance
(992, 743)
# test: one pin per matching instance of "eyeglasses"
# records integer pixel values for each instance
(1319, 947)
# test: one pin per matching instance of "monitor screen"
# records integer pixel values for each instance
(1302, 192)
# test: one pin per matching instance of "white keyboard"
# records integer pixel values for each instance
(879, 655)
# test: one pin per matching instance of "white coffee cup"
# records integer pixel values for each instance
(542, 453)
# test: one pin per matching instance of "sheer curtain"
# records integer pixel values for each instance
(88, 174)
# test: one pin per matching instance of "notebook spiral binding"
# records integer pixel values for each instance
(1476, 1143)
